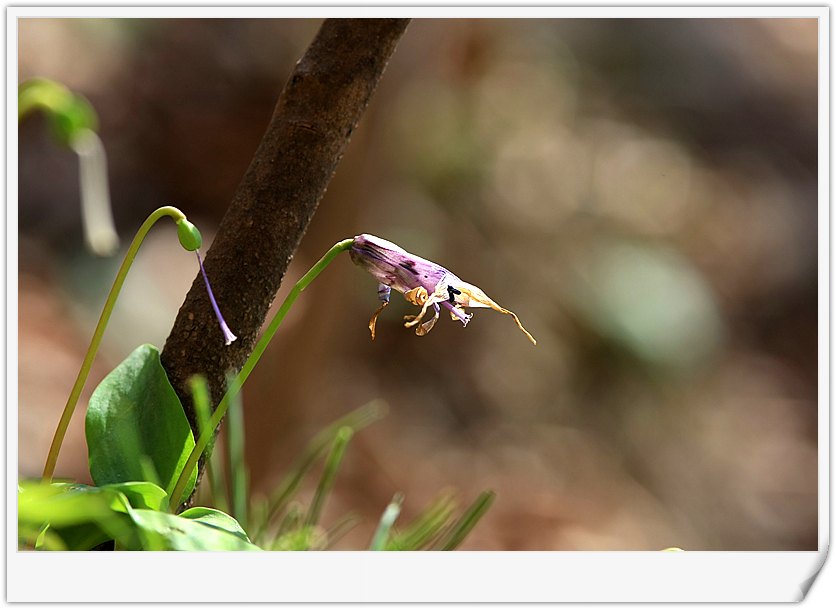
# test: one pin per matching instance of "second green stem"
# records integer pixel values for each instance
(235, 387)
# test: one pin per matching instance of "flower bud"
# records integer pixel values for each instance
(189, 235)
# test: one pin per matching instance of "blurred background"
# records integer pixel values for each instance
(642, 193)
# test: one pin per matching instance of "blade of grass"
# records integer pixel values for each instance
(341, 528)
(214, 467)
(292, 519)
(288, 523)
(237, 467)
(257, 515)
(287, 489)
(329, 473)
(390, 515)
(468, 520)
(217, 482)
(428, 524)
(304, 539)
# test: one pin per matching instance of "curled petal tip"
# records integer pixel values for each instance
(519, 325)
(228, 335)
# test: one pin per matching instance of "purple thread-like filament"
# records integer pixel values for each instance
(228, 335)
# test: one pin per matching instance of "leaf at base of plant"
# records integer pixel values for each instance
(133, 412)
(216, 518)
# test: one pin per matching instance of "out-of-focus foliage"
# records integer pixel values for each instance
(642, 193)
(68, 114)
(80, 517)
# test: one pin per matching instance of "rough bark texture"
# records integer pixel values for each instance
(319, 108)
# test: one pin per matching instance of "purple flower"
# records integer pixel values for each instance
(228, 335)
(422, 282)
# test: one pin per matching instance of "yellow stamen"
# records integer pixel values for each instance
(417, 296)
(412, 320)
(426, 326)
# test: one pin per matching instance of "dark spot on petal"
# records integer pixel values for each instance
(452, 292)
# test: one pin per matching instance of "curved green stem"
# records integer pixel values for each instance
(64, 423)
(235, 387)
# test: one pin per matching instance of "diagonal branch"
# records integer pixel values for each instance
(318, 110)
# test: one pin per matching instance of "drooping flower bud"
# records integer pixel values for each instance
(189, 236)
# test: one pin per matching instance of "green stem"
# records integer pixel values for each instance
(64, 423)
(235, 387)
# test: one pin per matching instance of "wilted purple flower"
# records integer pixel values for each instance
(422, 283)
(228, 335)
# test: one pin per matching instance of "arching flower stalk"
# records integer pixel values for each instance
(422, 282)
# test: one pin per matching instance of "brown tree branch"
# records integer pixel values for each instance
(318, 110)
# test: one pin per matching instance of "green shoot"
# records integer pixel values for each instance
(214, 469)
(329, 473)
(390, 515)
(235, 451)
(468, 520)
(427, 525)
(289, 523)
(287, 489)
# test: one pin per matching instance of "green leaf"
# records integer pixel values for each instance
(145, 495)
(216, 518)
(169, 532)
(135, 412)
(81, 517)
